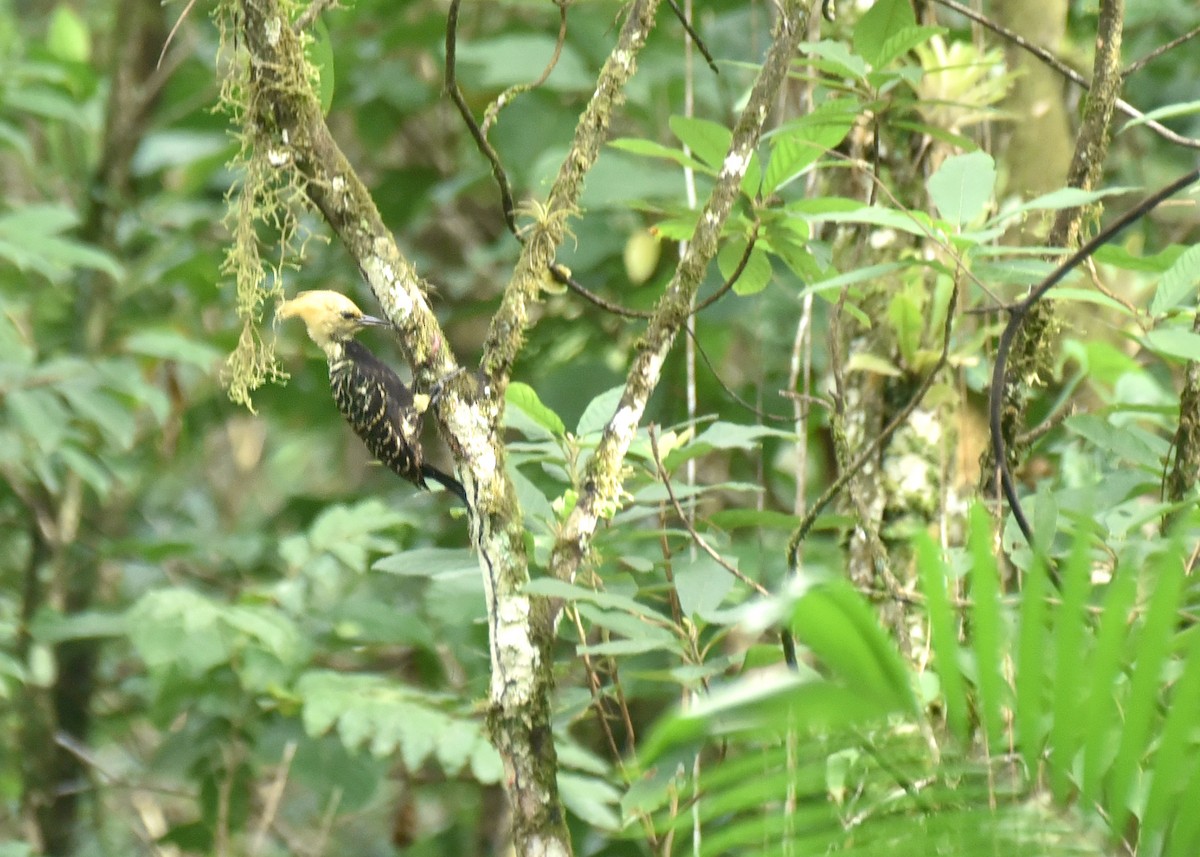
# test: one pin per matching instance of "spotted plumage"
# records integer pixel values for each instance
(381, 408)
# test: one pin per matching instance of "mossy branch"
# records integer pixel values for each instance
(601, 489)
(550, 220)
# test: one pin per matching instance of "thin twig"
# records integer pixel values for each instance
(1069, 73)
(481, 142)
(697, 539)
(509, 95)
(694, 36)
(853, 468)
(1137, 65)
(309, 15)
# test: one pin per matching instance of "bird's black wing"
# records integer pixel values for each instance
(379, 407)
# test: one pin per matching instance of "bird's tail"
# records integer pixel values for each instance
(446, 481)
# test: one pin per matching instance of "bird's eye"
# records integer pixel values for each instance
(349, 315)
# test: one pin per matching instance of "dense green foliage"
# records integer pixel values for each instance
(227, 631)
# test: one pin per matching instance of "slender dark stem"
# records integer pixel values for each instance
(1017, 317)
(464, 110)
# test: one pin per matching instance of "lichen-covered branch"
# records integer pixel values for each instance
(550, 221)
(284, 116)
(600, 495)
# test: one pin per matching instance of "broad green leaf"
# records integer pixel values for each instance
(881, 21)
(963, 186)
(167, 344)
(591, 799)
(319, 52)
(1122, 442)
(525, 398)
(649, 148)
(552, 588)
(67, 36)
(1174, 342)
(755, 275)
(708, 140)
(907, 322)
(599, 411)
(520, 58)
(834, 622)
(834, 57)
(702, 585)
(1067, 197)
(902, 41)
(1032, 664)
(1178, 283)
(1174, 761)
(798, 144)
(1168, 111)
(429, 562)
(1120, 257)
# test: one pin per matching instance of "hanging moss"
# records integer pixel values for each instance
(263, 205)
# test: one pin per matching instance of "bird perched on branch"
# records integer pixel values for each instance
(381, 408)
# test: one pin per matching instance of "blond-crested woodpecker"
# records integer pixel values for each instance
(381, 408)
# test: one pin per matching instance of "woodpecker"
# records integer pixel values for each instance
(381, 408)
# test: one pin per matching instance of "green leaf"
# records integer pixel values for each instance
(1143, 701)
(1174, 342)
(591, 799)
(876, 27)
(702, 585)
(835, 58)
(708, 140)
(1174, 758)
(525, 398)
(319, 52)
(834, 622)
(1032, 664)
(650, 149)
(943, 631)
(1100, 723)
(1124, 443)
(552, 588)
(902, 41)
(167, 344)
(988, 639)
(1168, 111)
(67, 36)
(1178, 283)
(963, 186)
(430, 562)
(1067, 197)
(755, 275)
(907, 322)
(520, 58)
(798, 144)
(599, 411)
(30, 238)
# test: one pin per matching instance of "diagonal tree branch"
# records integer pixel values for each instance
(285, 116)
(550, 222)
(601, 489)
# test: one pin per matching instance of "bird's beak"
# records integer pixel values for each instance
(372, 321)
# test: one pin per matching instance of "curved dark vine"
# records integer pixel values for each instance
(1017, 316)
